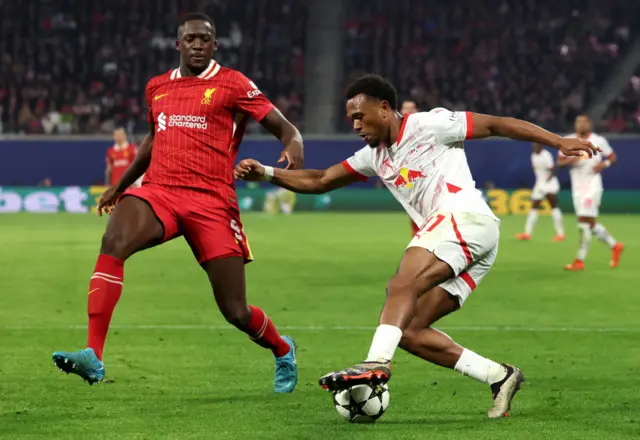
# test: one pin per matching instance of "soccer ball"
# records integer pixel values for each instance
(362, 403)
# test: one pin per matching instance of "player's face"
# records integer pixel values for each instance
(370, 119)
(537, 148)
(119, 136)
(409, 107)
(583, 125)
(197, 43)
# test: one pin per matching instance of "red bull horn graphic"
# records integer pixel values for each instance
(407, 177)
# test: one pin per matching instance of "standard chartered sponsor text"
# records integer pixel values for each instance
(188, 121)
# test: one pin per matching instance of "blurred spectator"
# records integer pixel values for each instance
(624, 112)
(82, 66)
(540, 60)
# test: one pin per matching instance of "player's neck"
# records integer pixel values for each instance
(394, 128)
(584, 135)
(186, 71)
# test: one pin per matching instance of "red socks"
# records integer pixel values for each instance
(105, 288)
(264, 333)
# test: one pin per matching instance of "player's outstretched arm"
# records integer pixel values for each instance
(300, 181)
(275, 123)
(484, 126)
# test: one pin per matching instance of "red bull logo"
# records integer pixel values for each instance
(407, 177)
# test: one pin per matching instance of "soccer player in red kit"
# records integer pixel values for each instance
(197, 116)
(119, 157)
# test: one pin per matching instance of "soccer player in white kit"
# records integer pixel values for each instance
(586, 190)
(421, 159)
(546, 186)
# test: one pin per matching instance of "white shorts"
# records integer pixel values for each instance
(466, 241)
(587, 205)
(541, 189)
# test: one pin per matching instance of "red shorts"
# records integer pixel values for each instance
(212, 228)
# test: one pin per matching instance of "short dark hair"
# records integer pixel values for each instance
(195, 16)
(374, 86)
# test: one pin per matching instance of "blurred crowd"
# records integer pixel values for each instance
(540, 60)
(80, 66)
(624, 113)
(75, 66)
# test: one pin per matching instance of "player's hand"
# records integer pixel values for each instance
(294, 156)
(249, 169)
(108, 200)
(577, 147)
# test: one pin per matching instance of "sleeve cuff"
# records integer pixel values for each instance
(347, 166)
(469, 119)
(265, 111)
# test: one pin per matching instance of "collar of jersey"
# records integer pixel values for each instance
(207, 73)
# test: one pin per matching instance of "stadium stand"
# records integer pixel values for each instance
(74, 66)
(540, 60)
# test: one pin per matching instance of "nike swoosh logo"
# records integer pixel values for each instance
(94, 290)
(155, 98)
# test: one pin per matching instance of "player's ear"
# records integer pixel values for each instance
(384, 109)
(177, 44)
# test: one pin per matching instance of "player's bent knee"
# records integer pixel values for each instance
(238, 317)
(115, 244)
(400, 285)
(408, 339)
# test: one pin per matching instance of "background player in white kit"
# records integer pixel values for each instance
(586, 190)
(546, 187)
(421, 159)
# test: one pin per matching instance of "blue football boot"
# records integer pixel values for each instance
(286, 369)
(83, 363)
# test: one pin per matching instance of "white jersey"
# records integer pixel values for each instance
(542, 164)
(583, 180)
(426, 169)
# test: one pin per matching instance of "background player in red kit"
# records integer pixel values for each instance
(119, 157)
(197, 116)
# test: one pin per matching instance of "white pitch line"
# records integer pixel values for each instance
(344, 328)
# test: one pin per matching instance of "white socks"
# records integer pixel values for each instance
(604, 236)
(384, 344)
(479, 368)
(585, 240)
(532, 218)
(556, 214)
(531, 221)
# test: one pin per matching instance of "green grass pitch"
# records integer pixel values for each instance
(176, 370)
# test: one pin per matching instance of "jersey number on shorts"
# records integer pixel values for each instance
(430, 225)
(236, 230)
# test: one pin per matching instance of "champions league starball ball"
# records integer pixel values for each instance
(362, 403)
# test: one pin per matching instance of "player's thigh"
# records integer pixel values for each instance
(134, 225)
(419, 271)
(459, 239)
(466, 242)
(587, 205)
(434, 305)
(538, 192)
(467, 281)
(214, 232)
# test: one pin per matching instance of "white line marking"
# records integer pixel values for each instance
(320, 328)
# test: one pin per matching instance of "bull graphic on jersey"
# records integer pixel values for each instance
(206, 99)
(407, 177)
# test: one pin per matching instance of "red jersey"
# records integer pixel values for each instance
(119, 157)
(199, 124)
